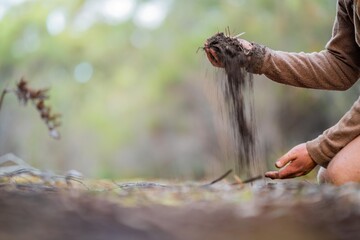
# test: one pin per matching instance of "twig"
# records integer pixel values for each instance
(3, 93)
(37, 97)
(34, 187)
(248, 180)
(218, 179)
(240, 34)
(199, 48)
(68, 182)
(140, 185)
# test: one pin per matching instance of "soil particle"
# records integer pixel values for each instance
(237, 90)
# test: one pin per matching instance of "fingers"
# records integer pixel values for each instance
(288, 157)
(290, 171)
(295, 163)
(212, 56)
(280, 174)
(287, 172)
(212, 59)
(272, 174)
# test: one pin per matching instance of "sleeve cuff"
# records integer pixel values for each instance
(257, 59)
(314, 150)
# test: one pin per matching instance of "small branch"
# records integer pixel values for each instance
(140, 185)
(248, 180)
(3, 93)
(252, 179)
(240, 34)
(38, 97)
(218, 179)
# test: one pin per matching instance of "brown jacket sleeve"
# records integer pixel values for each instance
(326, 146)
(335, 68)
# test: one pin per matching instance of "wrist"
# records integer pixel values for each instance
(256, 58)
(316, 154)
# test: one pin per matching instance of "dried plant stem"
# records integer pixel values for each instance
(248, 180)
(37, 97)
(218, 179)
(3, 93)
(240, 34)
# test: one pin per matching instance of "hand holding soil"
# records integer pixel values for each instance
(216, 60)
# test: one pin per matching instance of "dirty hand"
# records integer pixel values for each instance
(214, 59)
(297, 162)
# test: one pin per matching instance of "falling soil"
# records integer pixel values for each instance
(237, 89)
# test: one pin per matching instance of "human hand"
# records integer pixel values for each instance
(297, 162)
(212, 56)
(217, 44)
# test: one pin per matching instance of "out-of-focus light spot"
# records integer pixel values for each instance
(28, 42)
(115, 11)
(56, 22)
(139, 39)
(6, 5)
(109, 11)
(31, 40)
(151, 14)
(14, 2)
(54, 134)
(84, 20)
(83, 72)
(2, 11)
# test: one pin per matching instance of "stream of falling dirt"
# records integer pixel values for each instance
(236, 102)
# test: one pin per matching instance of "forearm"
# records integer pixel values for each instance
(336, 68)
(320, 70)
(326, 146)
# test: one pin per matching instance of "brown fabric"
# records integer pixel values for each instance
(335, 68)
(257, 55)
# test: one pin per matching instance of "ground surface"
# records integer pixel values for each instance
(106, 210)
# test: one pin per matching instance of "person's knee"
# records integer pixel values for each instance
(322, 176)
(332, 176)
(338, 176)
(345, 165)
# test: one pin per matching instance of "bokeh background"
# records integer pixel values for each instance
(136, 97)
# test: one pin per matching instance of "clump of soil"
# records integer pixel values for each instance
(237, 90)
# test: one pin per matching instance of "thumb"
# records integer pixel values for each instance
(288, 157)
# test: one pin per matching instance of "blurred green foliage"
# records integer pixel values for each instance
(129, 82)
